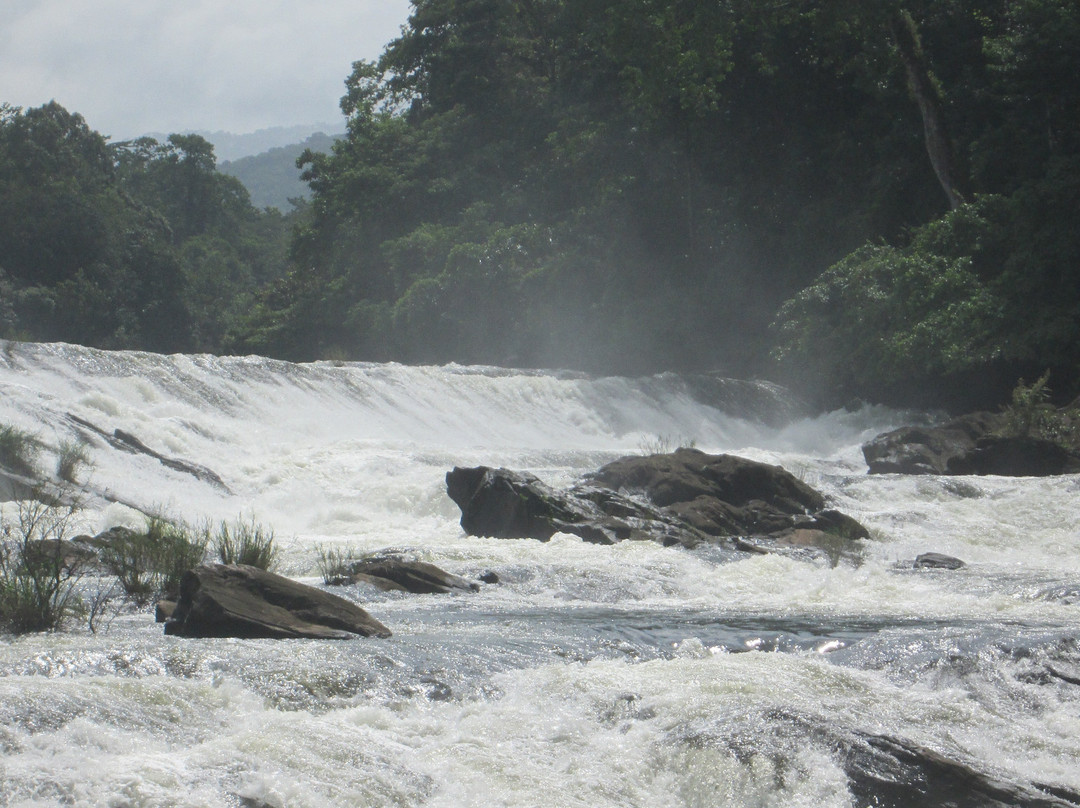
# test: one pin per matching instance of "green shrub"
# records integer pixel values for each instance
(177, 549)
(18, 450)
(884, 316)
(38, 572)
(664, 444)
(71, 458)
(1030, 413)
(150, 563)
(245, 543)
(129, 556)
(334, 563)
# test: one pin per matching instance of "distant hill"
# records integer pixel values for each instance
(231, 146)
(272, 177)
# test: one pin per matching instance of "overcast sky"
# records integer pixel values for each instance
(136, 66)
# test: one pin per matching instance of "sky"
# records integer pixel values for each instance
(132, 67)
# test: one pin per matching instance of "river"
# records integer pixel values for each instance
(591, 676)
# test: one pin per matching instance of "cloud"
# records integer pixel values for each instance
(135, 66)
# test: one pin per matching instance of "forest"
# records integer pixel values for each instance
(861, 200)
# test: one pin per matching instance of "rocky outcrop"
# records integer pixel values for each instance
(881, 770)
(926, 449)
(125, 441)
(390, 573)
(235, 600)
(1016, 457)
(506, 504)
(684, 497)
(897, 773)
(971, 444)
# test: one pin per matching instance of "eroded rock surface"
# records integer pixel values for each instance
(235, 600)
(971, 444)
(684, 497)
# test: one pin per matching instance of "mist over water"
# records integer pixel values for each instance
(631, 675)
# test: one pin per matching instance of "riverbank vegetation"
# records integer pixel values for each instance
(51, 574)
(863, 200)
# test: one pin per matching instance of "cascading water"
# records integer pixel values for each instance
(630, 675)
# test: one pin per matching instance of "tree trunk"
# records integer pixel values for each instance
(938, 145)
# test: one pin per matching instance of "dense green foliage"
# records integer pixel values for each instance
(128, 245)
(965, 304)
(630, 186)
(615, 186)
(609, 185)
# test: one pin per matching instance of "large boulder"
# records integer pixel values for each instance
(506, 504)
(236, 600)
(683, 497)
(971, 444)
(1015, 457)
(927, 449)
(721, 495)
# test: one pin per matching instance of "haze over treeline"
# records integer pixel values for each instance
(863, 199)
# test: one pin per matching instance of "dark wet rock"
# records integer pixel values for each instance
(417, 577)
(506, 504)
(235, 600)
(896, 773)
(687, 474)
(971, 444)
(125, 441)
(1015, 457)
(114, 537)
(68, 554)
(882, 770)
(927, 449)
(684, 497)
(938, 561)
(374, 581)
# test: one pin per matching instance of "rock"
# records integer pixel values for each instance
(881, 770)
(382, 584)
(937, 561)
(506, 504)
(70, 555)
(1015, 457)
(127, 442)
(927, 450)
(15, 487)
(684, 497)
(687, 474)
(417, 577)
(967, 445)
(235, 600)
(894, 772)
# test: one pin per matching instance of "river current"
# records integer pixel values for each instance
(592, 676)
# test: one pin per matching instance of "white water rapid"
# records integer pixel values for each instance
(591, 676)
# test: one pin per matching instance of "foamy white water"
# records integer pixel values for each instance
(591, 676)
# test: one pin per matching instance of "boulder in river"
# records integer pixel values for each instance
(236, 600)
(418, 577)
(684, 497)
(506, 504)
(971, 444)
(937, 561)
